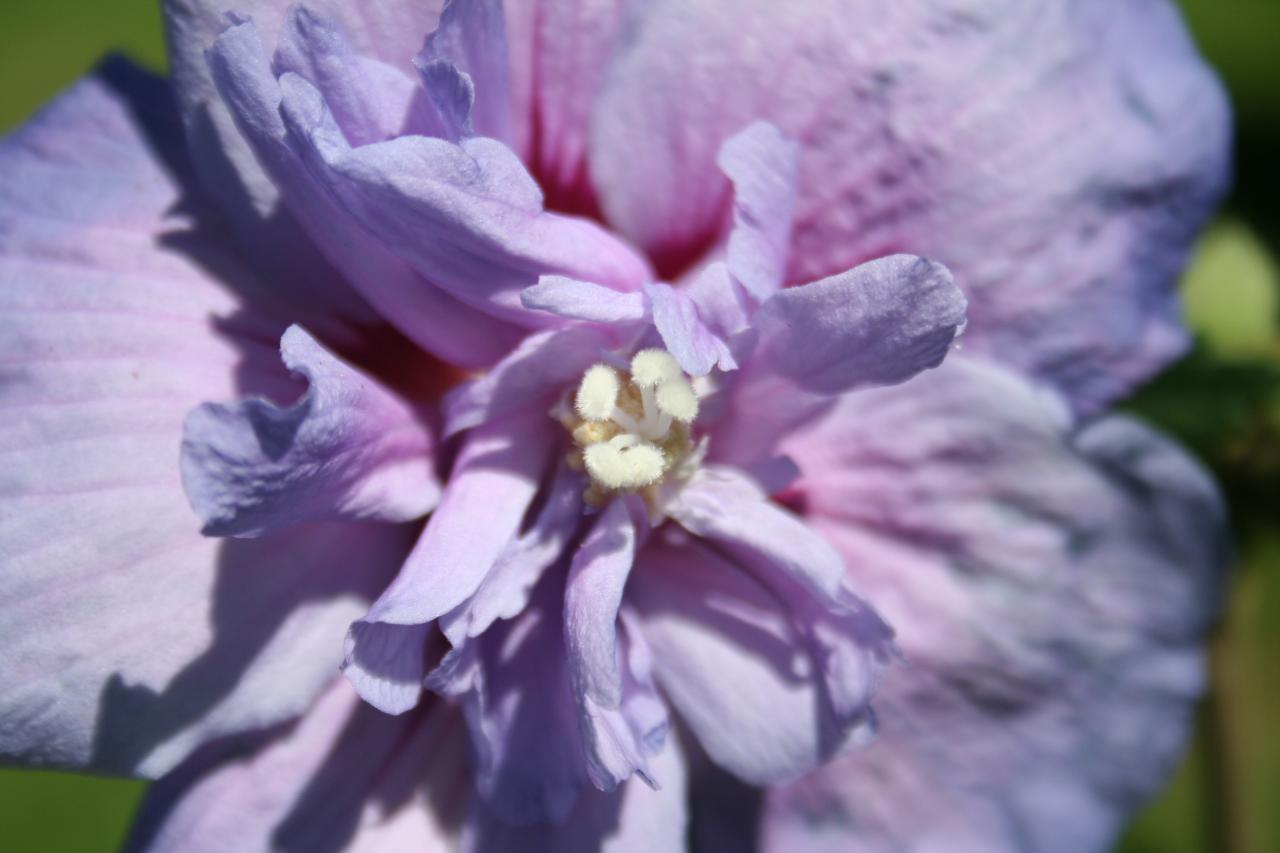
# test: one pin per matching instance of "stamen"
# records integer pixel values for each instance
(618, 464)
(632, 427)
(598, 393)
(652, 367)
(676, 398)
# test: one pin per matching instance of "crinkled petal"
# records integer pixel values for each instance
(347, 449)
(390, 31)
(731, 508)
(635, 818)
(370, 101)
(514, 689)
(593, 593)
(695, 346)
(345, 777)
(877, 324)
(489, 490)
(581, 300)
(427, 315)
(610, 671)
(131, 639)
(1058, 157)
(468, 218)
(761, 163)
(732, 660)
(387, 664)
(472, 38)
(506, 589)
(538, 748)
(1051, 591)
(532, 376)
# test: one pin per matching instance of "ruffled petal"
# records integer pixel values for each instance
(472, 40)
(685, 335)
(514, 690)
(581, 300)
(732, 659)
(131, 640)
(761, 163)
(531, 377)
(879, 323)
(729, 507)
(622, 718)
(345, 777)
(593, 593)
(506, 589)
(1058, 157)
(466, 217)
(633, 819)
(430, 317)
(876, 324)
(370, 101)
(489, 491)
(348, 449)
(390, 31)
(1051, 591)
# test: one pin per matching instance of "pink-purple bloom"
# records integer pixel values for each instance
(745, 363)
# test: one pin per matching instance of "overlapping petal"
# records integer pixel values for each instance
(345, 777)
(1050, 590)
(348, 449)
(131, 639)
(1057, 157)
(731, 660)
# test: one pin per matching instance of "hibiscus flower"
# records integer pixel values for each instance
(633, 300)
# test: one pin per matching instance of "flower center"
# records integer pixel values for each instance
(632, 428)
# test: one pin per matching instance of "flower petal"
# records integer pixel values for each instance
(514, 690)
(581, 300)
(472, 38)
(1058, 157)
(696, 347)
(559, 51)
(427, 315)
(633, 819)
(530, 377)
(506, 589)
(729, 507)
(370, 101)
(131, 640)
(761, 162)
(593, 594)
(490, 488)
(390, 31)
(467, 217)
(346, 777)
(387, 664)
(876, 324)
(733, 662)
(537, 744)
(347, 449)
(1051, 591)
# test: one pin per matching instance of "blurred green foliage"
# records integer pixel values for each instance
(1223, 402)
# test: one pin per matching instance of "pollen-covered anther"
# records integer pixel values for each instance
(598, 393)
(652, 367)
(632, 430)
(624, 462)
(675, 397)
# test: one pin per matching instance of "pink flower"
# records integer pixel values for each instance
(507, 199)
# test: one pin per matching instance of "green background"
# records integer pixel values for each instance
(1223, 401)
